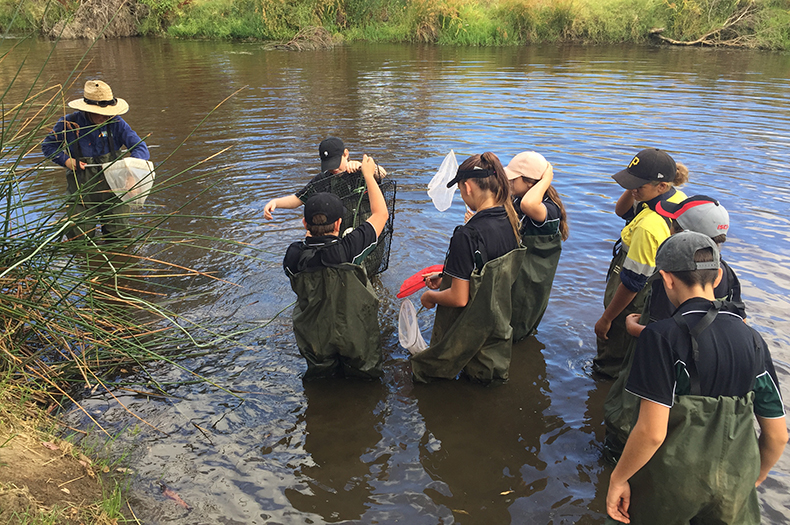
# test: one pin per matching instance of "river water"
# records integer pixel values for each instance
(392, 451)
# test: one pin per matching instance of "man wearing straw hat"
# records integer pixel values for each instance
(81, 142)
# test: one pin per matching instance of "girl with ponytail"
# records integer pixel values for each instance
(490, 233)
(471, 331)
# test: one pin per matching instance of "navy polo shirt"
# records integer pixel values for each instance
(728, 365)
(333, 250)
(528, 227)
(486, 236)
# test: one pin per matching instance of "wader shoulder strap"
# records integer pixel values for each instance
(309, 253)
(616, 246)
(698, 328)
(480, 250)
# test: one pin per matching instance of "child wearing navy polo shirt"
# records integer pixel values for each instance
(702, 376)
(336, 315)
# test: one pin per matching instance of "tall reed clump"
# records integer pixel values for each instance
(77, 313)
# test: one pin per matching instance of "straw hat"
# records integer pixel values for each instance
(97, 98)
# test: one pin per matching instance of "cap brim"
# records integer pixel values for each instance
(510, 174)
(628, 181)
(674, 210)
(455, 181)
(120, 107)
(331, 163)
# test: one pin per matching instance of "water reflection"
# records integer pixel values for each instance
(482, 445)
(342, 422)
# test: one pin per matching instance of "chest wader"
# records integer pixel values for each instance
(477, 338)
(530, 293)
(92, 200)
(704, 472)
(611, 352)
(621, 408)
(336, 322)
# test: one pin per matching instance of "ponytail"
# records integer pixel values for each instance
(496, 184)
(681, 175)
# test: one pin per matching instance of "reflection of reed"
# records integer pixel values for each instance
(482, 444)
(342, 422)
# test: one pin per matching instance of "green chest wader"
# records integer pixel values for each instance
(477, 338)
(92, 199)
(336, 322)
(704, 472)
(621, 408)
(611, 352)
(530, 293)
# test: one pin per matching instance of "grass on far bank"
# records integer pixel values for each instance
(452, 22)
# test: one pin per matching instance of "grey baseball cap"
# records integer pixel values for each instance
(676, 254)
(699, 213)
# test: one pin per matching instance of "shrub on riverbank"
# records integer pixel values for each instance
(745, 23)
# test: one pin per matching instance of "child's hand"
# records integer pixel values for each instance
(353, 165)
(433, 280)
(548, 175)
(426, 301)
(468, 215)
(368, 166)
(632, 325)
(269, 208)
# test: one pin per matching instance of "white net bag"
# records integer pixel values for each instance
(409, 330)
(131, 179)
(440, 194)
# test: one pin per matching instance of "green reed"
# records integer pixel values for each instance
(84, 312)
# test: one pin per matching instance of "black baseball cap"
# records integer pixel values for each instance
(326, 204)
(331, 152)
(648, 165)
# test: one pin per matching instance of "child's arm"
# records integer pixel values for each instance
(457, 295)
(773, 438)
(647, 436)
(632, 325)
(288, 202)
(624, 204)
(378, 206)
(532, 201)
(622, 298)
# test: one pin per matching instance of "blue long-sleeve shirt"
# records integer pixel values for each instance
(93, 140)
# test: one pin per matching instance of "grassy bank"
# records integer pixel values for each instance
(761, 24)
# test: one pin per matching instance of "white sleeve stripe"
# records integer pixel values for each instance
(651, 400)
(374, 243)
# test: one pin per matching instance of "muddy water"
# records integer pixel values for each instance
(394, 452)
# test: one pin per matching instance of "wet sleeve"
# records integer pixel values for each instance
(460, 256)
(52, 147)
(653, 371)
(131, 140)
(767, 396)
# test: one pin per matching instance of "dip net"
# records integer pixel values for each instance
(351, 189)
